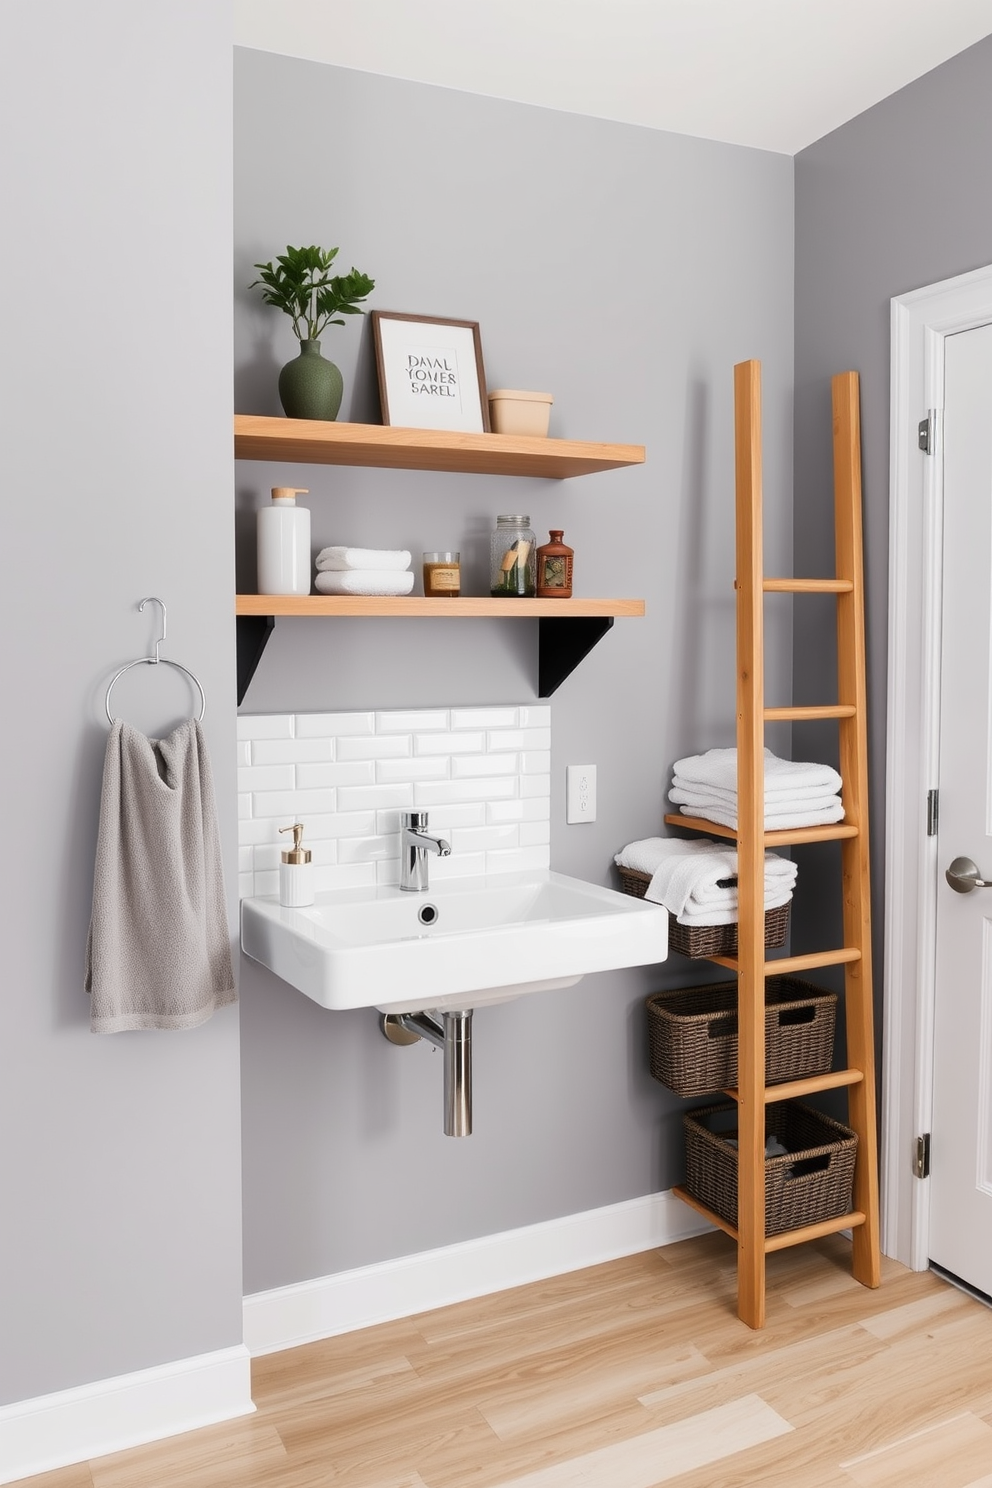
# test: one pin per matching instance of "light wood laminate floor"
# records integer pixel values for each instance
(626, 1375)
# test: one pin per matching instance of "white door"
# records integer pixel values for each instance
(961, 1134)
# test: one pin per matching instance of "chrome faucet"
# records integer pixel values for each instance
(415, 844)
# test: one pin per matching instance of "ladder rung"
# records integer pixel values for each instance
(808, 715)
(808, 586)
(811, 1085)
(784, 837)
(789, 964)
(814, 1231)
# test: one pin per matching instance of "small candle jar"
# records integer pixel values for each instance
(442, 575)
(554, 568)
(513, 558)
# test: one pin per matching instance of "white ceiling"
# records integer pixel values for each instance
(773, 74)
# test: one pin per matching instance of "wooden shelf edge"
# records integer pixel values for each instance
(776, 1242)
(789, 837)
(385, 606)
(312, 442)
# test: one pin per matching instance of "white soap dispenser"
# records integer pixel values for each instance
(296, 872)
(284, 543)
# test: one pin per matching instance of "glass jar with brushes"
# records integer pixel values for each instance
(513, 563)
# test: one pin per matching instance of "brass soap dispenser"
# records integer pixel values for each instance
(296, 872)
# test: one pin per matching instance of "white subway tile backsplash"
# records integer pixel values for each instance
(517, 860)
(388, 771)
(484, 718)
(536, 809)
(466, 865)
(322, 777)
(485, 789)
(449, 743)
(482, 772)
(291, 751)
(333, 725)
(536, 762)
(375, 797)
(294, 805)
(518, 739)
(479, 839)
(419, 722)
(535, 715)
(471, 766)
(393, 747)
(344, 876)
(246, 885)
(366, 849)
(266, 778)
(265, 726)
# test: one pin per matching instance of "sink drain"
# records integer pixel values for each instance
(427, 914)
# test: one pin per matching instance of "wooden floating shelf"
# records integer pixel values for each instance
(412, 605)
(311, 442)
(567, 629)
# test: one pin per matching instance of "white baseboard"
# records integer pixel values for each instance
(53, 1431)
(288, 1316)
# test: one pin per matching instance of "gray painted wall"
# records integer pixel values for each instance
(120, 1240)
(625, 271)
(896, 199)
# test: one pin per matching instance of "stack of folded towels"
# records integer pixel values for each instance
(343, 570)
(697, 881)
(796, 794)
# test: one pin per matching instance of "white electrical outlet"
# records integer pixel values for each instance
(580, 793)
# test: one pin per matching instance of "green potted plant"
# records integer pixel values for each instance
(301, 284)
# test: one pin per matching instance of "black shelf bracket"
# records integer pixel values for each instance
(564, 642)
(253, 633)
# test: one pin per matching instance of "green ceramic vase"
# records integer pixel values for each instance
(310, 386)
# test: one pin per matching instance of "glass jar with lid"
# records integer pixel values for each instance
(513, 563)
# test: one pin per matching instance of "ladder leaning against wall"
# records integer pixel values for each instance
(752, 840)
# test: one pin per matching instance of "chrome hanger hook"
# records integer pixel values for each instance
(161, 603)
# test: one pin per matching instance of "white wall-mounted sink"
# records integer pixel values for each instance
(487, 940)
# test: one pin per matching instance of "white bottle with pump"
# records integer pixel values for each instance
(284, 543)
(296, 872)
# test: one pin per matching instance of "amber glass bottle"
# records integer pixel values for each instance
(554, 568)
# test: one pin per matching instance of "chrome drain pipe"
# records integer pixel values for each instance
(453, 1036)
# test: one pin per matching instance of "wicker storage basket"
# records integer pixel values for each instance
(692, 1034)
(706, 940)
(811, 1182)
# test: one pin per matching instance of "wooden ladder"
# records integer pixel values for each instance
(752, 840)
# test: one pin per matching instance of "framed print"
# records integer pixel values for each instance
(430, 372)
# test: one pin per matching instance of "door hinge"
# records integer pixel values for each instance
(925, 433)
(921, 1157)
(933, 812)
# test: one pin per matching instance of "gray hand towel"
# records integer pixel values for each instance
(158, 953)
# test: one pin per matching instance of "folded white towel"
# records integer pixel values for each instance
(367, 581)
(775, 800)
(697, 880)
(800, 817)
(718, 767)
(726, 801)
(341, 558)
